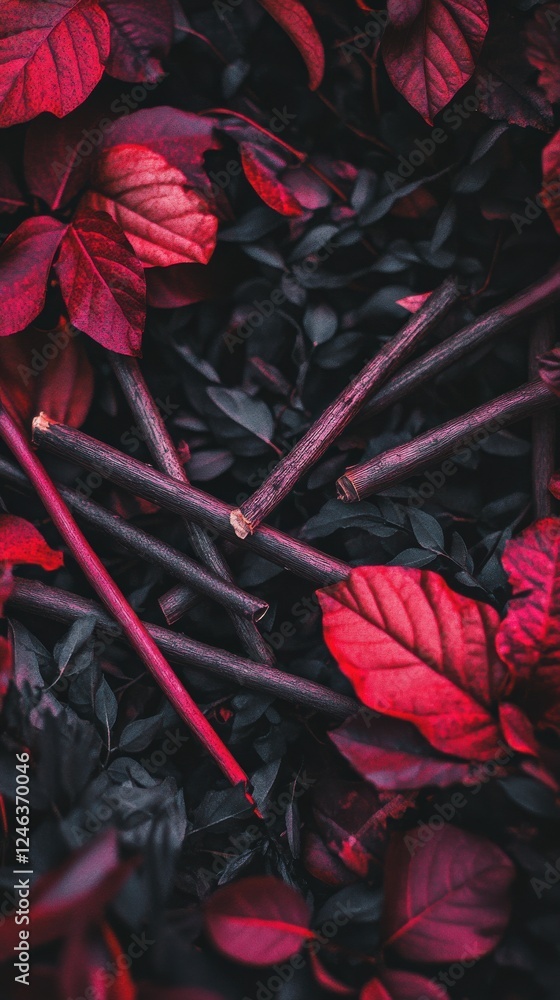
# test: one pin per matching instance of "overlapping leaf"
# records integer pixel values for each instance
(296, 21)
(139, 28)
(25, 262)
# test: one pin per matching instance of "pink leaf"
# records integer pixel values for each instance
(164, 222)
(261, 176)
(432, 58)
(51, 56)
(25, 262)
(258, 921)
(21, 543)
(102, 283)
(138, 29)
(413, 302)
(447, 898)
(296, 22)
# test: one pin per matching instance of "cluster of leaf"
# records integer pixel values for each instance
(264, 211)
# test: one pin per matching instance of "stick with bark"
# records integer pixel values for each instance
(338, 415)
(147, 547)
(543, 338)
(163, 452)
(530, 301)
(60, 605)
(459, 434)
(116, 603)
(144, 481)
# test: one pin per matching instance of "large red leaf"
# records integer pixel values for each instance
(551, 172)
(179, 136)
(393, 755)
(102, 283)
(258, 165)
(139, 28)
(51, 56)
(543, 49)
(432, 58)
(296, 21)
(447, 898)
(165, 222)
(46, 370)
(20, 543)
(529, 637)
(257, 921)
(25, 262)
(403, 12)
(397, 985)
(415, 649)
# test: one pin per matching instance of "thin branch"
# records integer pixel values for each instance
(451, 438)
(60, 605)
(543, 338)
(338, 415)
(146, 482)
(115, 602)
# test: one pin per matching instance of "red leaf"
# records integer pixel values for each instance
(261, 176)
(429, 61)
(20, 543)
(51, 56)
(449, 899)
(179, 136)
(102, 283)
(164, 222)
(46, 371)
(529, 637)
(257, 921)
(323, 865)
(138, 29)
(179, 284)
(550, 193)
(326, 979)
(403, 12)
(25, 262)
(415, 649)
(543, 49)
(413, 302)
(396, 985)
(296, 22)
(517, 729)
(393, 755)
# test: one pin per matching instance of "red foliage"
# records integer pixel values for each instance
(543, 49)
(25, 262)
(296, 22)
(20, 543)
(258, 165)
(138, 29)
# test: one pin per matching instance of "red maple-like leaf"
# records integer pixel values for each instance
(102, 282)
(529, 637)
(415, 649)
(432, 58)
(397, 985)
(52, 55)
(296, 21)
(165, 222)
(25, 262)
(139, 28)
(257, 921)
(259, 166)
(446, 899)
(543, 49)
(46, 370)
(21, 543)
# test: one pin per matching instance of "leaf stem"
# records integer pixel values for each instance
(115, 602)
(543, 338)
(338, 415)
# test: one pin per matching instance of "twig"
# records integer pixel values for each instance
(338, 415)
(146, 482)
(36, 598)
(451, 438)
(538, 296)
(543, 338)
(116, 603)
(163, 452)
(150, 548)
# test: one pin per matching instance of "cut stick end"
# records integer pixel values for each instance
(40, 424)
(345, 490)
(239, 523)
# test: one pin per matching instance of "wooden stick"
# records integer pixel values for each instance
(338, 415)
(116, 603)
(538, 296)
(543, 338)
(60, 605)
(147, 547)
(163, 452)
(146, 482)
(459, 434)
